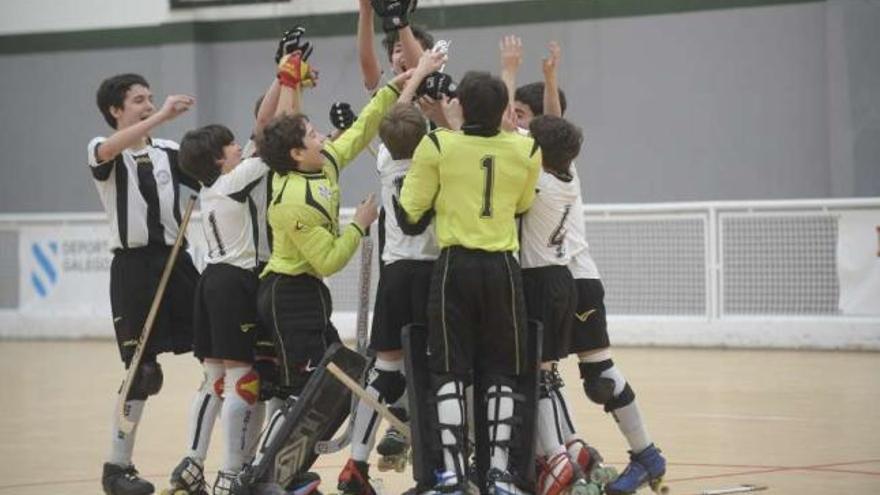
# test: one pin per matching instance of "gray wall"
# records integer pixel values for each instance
(757, 103)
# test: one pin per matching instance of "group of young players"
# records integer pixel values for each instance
(481, 230)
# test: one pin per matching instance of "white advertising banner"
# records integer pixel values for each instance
(64, 270)
(858, 262)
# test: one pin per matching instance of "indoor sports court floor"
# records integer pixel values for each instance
(803, 423)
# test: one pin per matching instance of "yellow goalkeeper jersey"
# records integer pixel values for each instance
(476, 185)
(304, 212)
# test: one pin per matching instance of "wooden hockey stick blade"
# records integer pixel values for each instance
(734, 489)
(125, 425)
(369, 399)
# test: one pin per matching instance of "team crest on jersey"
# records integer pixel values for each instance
(163, 177)
(324, 191)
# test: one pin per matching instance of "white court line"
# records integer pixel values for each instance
(744, 417)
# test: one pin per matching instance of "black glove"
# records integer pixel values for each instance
(341, 115)
(394, 13)
(437, 84)
(292, 41)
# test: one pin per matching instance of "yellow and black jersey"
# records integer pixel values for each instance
(475, 183)
(304, 212)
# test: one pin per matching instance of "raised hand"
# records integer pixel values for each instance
(550, 63)
(511, 53)
(175, 105)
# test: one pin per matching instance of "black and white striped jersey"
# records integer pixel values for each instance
(230, 218)
(394, 244)
(140, 191)
(582, 264)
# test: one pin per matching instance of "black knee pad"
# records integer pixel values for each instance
(390, 384)
(626, 397)
(297, 377)
(147, 381)
(269, 382)
(598, 389)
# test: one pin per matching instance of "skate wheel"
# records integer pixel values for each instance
(602, 475)
(659, 487)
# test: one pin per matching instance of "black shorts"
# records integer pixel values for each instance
(476, 314)
(589, 331)
(401, 299)
(296, 310)
(550, 299)
(134, 278)
(264, 347)
(225, 316)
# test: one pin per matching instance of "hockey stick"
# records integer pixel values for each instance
(336, 444)
(371, 401)
(124, 424)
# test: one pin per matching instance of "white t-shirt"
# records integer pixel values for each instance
(544, 227)
(399, 246)
(582, 264)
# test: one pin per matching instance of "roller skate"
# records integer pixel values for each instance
(646, 467)
(555, 475)
(591, 464)
(355, 479)
(304, 484)
(394, 451)
(447, 484)
(188, 478)
(124, 480)
(502, 483)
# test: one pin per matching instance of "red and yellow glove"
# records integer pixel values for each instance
(293, 72)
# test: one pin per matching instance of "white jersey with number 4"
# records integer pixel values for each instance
(544, 227)
(582, 264)
(397, 245)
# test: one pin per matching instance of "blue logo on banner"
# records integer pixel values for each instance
(45, 275)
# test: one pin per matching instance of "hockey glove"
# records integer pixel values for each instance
(341, 115)
(436, 85)
(293, 72)
(394, 13)
(291, 41)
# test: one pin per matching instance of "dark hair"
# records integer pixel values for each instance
(532, 95)
(483, 99)
(402, 128)
(282, 134)
(421, 34)
(559, 139)
(112, 92)
(201, 148)
(257, 106)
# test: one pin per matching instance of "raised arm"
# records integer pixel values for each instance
(428, 63)
(550, 66)
(370, 68)
(412, 49)
(124, 138)
(511, 58)
(268, 105)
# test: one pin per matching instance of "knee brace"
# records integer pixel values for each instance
(390, 384)
(248, 387)
(147, 381)
(605, 385)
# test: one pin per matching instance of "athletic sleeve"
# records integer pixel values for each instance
(241, 180)
(173, 151)
(422, 180)
(357, 137)
(325, 253)
(100, 170)
(534, 164)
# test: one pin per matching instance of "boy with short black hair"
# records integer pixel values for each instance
(138, 180)
(604, 383)
(476, 181)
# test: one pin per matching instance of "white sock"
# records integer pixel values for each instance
(366, 420)
(450, 412)
(499, 431)
(549, 433)
(241, 393)
(203, 412)
(122, 444)
(628, 418)
(569, 432)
